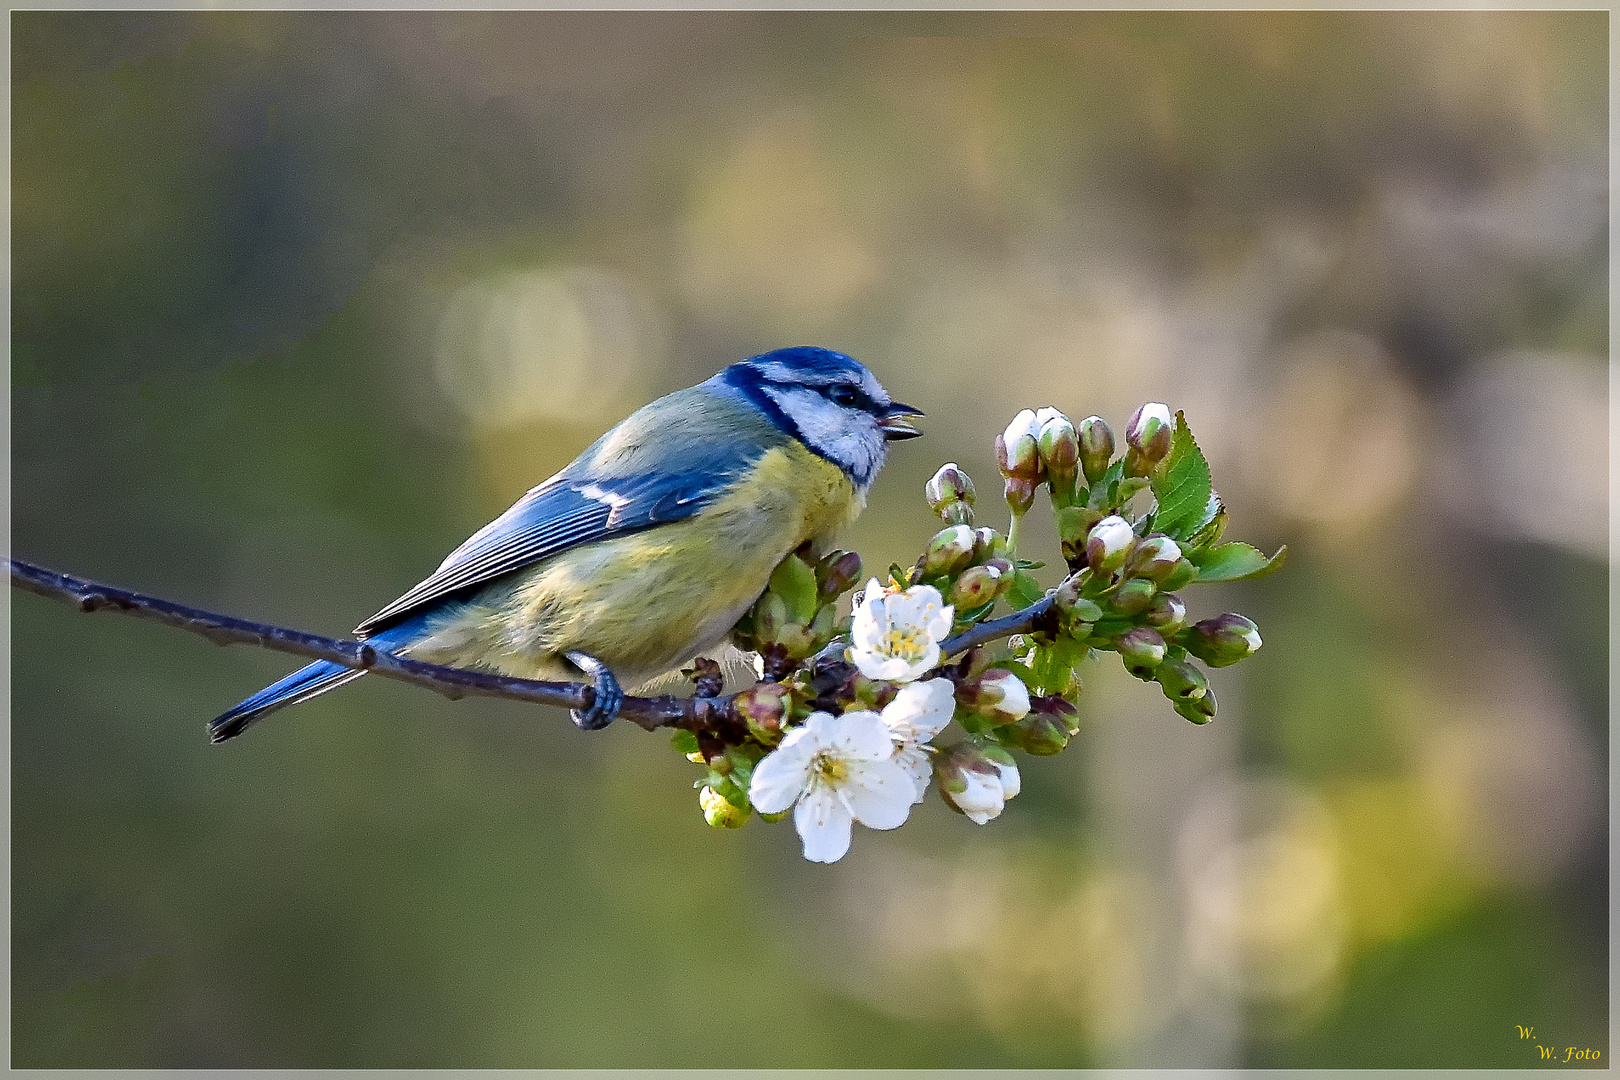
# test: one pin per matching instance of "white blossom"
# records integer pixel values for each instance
(896, 635)
(918, 712)
(833, 771)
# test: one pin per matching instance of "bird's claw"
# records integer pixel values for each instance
(607, 697)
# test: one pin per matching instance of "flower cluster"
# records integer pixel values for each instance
(843, 727)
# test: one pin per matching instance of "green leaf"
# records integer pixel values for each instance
(1235, 562)
(898, 576)
(795, 582)
(1210, 532)
(684, 741)
(1182, 486)
(1025, 591)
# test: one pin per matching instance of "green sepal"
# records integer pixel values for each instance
(795, 582)
(1236, 561)
(1025, 591)
(899, 577)
(1102, 492)
(1018, 668)
(778, 816)
(972, 615)
(1181, 484)
(684, 741)
(1026, 564)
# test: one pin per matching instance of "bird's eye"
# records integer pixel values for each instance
(842, 395)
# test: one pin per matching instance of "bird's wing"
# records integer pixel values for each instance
(559, 514)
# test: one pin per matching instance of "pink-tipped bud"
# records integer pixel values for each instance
(998, 695)
(837, 573)
(1142, 650)
(1071, 607)
(1109, 544)
(976, 779)
(1149, 432)
(1133, 597)
(1155, 557)
(1041, 734)
(1223, 640)
(1096, 447)
(1167, 614)
(950, 494)
(1059, 444)
(949, 550)
(763, 707)
(988, 544)
(1018, 449)
(979, 585)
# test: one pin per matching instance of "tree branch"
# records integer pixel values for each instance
(1019, 622)
(650, 713)
(694, 714)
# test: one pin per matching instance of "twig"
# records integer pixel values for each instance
(651, 713)
(1019, 622)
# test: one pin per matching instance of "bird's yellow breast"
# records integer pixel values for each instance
(648, 601)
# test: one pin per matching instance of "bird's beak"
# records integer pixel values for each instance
(893, 422)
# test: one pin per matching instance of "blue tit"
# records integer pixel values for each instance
(644, 551)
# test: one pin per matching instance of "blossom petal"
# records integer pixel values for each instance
(784, 773)
(855, 736)
(982, 799)
(824, 823)
(879, 666)
(915, 761)
(921, 710)
(1011, 782)
(879, 793)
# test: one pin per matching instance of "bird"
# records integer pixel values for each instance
(645, 550)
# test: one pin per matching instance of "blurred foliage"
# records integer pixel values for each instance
(301, 299)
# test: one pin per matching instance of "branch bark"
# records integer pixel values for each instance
(651, 713)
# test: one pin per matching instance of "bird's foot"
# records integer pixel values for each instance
(608, 697)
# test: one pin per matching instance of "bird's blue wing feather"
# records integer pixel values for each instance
(563, 513)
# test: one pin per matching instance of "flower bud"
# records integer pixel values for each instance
(998, 695)
(1133, 597)
(1223, 640)
(949, 550)
(1180, 577)
(1199, 710)
(1074, 523)
(1109, 543)
(837, 573)
(976, 779)
(720, 813)
(1017, 449)
(1096, 447)
(1149, 432)
(1181, 680)
(1060, 451)
(1071, 606)
(979, 585)
(988, 544)
(763, 707)
(950, 494)
(1019, 493)
(1154, 558)
(1142, 650)
(1167, 614)
(976, 661)
(1042, 734)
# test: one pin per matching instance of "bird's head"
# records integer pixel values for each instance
(829, 402)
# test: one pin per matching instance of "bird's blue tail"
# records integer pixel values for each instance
(301, 685)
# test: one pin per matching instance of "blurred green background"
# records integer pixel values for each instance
(300, 300)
